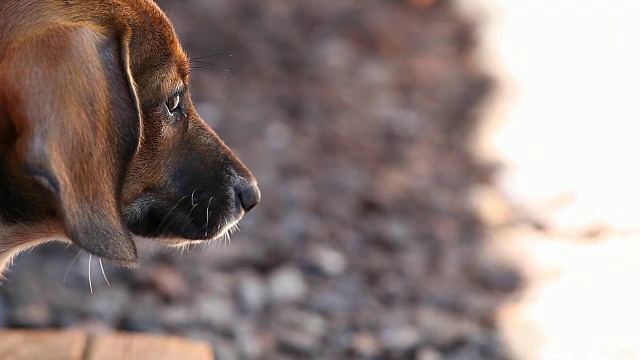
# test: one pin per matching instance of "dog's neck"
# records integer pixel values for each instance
(16, 238)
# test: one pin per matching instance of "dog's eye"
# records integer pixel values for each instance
(173, 103)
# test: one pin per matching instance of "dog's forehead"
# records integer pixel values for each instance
(154, 35)
(157, 58)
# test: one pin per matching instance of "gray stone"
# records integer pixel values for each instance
(497, 275)
(251, 293)
(428, 354)
(142, 314)
(297, 342)
(247, 341)
(400, 339)
(441, 329)
(219, 283)
(31, 315)
(328, 260)
(299, 331)
(341, 295)
(466, 353)
(110, 304)
(178, 316)
(304, 321)
(216, 312)
(366, 344)
(287, 284)
(224, 350)
(168, 281)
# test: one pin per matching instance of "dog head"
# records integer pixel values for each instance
(99, 135)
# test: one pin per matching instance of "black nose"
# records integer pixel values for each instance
(248, 194)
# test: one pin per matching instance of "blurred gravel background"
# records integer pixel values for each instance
(357, 118)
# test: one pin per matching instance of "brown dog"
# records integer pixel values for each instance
(99, 139)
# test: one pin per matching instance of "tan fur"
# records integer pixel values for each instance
(14, 240)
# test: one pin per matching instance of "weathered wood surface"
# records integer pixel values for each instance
(76, 345)
(143, 346)
(54, 345)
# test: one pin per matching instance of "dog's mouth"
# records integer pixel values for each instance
(186, 220)
(222, 234)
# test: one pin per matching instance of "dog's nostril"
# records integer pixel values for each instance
(249, 195)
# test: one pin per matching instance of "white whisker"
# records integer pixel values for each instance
(206, 228)
(192, 194)
(166, 216)
(103, 274)
(70, 265)
(90, 285)
(190, 211)
(226, 224)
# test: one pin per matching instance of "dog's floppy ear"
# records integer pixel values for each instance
(71, 97)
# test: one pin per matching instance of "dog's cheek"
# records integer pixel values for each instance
(145, 171)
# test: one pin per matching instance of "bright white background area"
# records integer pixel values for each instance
(567, 127)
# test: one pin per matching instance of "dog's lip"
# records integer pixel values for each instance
(177, 241)
(147, 217)
(228, 227)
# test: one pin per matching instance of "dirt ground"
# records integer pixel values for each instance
(357, 119)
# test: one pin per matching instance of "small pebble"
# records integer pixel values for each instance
(287, 284)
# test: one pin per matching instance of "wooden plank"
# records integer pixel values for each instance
(42, 345)
(143, 346)
(76, 345)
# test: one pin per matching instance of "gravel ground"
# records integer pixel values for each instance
(357, 120)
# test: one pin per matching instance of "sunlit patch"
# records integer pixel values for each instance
(559, 139)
